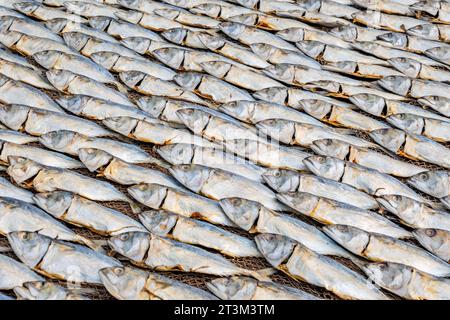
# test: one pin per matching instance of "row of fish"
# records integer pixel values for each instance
(256, 112)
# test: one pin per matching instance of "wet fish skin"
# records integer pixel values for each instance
(303, 264)
(59, 259)
(126, 283)
(407, 282)
(195, 232)
(183, 203)
(376, 247)
(15, 273)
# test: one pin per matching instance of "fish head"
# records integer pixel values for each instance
(232, 29)
(158, 222)
(76, 40)
(26, 7)
(316, 108)
(233, 288)
(5, 23)
(391, 139)
(275, 247)
(284, 72)
(248, 19)
(211, 10)
(369, 103)
(60, 79)
(22, 169)
(153, 105)
(263, 50)
(396, 39)
(216, 68)
(106, 59)
(132, 78)
(292, 34)
(273, 94)
(438, 103)
(326, 167)
(177, 153)
(29, 247)
(302, 202)
(247, 3)
(74, 104)
(311, 48)
(132, 16)
(367, 17)
(47, 58)
(56, 203)
(407, 66)
(239, 109)
(426, 30)
(403, 207)
(279, 129)
(178, 3)
(172, 57)
(40, 290)
(282, 180)
(195, 119)
(58, 140)
(130, 4)
(133, 245)
(77, 7)
(138, 44)
(433, 239)
(93, 158)
(438, 53)
(408, 122)
(191, 176)
(397, 84)
(99, 22)
(152, 195)
(125, 282)
(310, 5)
(435, 183)
(212, 42)
(241, 211)
(332, 148)
(347, 33)
(351, 238)
(122, 125)
(175, 35)
(188, 80)
(56, 25)
(393, 276)
(167, 13)
(13, 115)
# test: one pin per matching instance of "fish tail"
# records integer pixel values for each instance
(262, 274)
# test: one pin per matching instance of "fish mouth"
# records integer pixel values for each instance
(386, 204)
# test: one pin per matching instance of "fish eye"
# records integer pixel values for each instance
(124, 237)
(119, 271)
(430, 232)
(328, 142)
(189, 111)
(277, 173)
(236, 202)
(26, 236)
(423, 176)
(396, 198)
(402, 60)
(402, 116)
(383, 265)
(321, 159)
(341, 227)
(185, 167)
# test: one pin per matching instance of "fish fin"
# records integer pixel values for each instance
(135, 207)
(263, 274)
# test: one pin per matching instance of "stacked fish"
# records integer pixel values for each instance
(188, 136)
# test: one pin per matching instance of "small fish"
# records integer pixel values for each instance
(306, 265)
(45, 290)
(7, 55)
(431, 128)
(339, 116)
(150, 21)
(353, 33)
(27, 26)
(152, 251)
(407, 42)
(69, 82)
(183, 203)
(23, 74)
(415, 88)
(16, 137)
(269, 22)
(290, 181)
(391, 22)
(438, 11)
(436, 241)
(15, 274)
(87, 9)
(322, 20)
(244, 288)
(62, 26)
(415, 69)
(44, 13)
(203, 234)
(218, 184)
(435, 183)
(126, 283)
(441, 54)
(219, 9)
(38, 122)
(437, 103)
(301, 34)
(190, 38)
(366, 157)
(415, 214)
(144, 45)
(376, 247)
(255, 218)
(13, 92)
(363, 70)
(385, 6)
(438, 32)
(368, 180)
(59, 259)
(187, 18)
(408, 282)
(182, 153)
(412, 146)
(328, 211)
(8, 190)
(82, 212)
